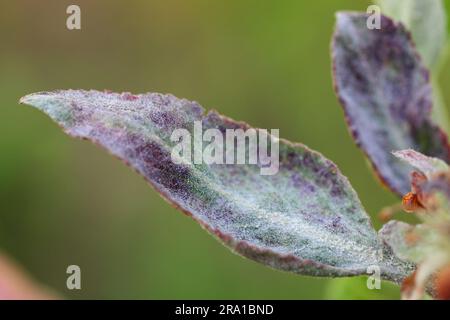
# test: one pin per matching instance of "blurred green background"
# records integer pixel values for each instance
(64, 201)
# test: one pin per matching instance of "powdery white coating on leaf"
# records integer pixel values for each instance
(385, 92)
(436, 171)
(305, 219)
(427, 165)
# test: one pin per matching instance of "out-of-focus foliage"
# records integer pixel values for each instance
(16, 284)
(427, 21)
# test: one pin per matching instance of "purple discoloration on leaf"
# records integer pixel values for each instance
(432, 175)
(386, 95)
(306, 218)
(394, 235)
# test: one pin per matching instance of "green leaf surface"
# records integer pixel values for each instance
(305, 219)
(386, 95)
(427, 21)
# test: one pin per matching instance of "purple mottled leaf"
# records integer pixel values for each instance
(386, 95)
(306, 218)
(394, 235)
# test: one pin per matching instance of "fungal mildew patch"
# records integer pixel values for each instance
(306, 218)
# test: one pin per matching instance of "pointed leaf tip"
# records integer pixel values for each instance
(305, 219)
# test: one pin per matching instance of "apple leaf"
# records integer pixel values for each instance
(305, 219)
